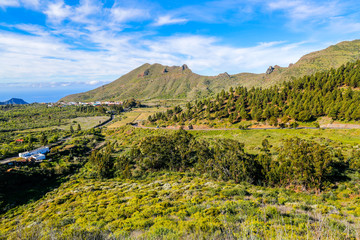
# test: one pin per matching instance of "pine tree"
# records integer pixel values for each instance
(43, 139)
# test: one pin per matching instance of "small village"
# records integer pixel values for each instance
(97, 103)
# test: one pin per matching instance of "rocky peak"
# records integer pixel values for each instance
(225, 74)
(270, 70)
(184, 67)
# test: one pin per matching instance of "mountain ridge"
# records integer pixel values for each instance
(13, 101)
(156, 81)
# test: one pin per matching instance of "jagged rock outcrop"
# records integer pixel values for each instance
(184, 67)
(270, 70)
(146, 72)
(224, 75)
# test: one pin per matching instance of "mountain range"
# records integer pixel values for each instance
(155, 81)
(13, 101)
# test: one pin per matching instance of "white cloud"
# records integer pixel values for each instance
(94, 82)
(32, 29)
(306, 10)
(58, 11)
(45, 58)
(9, 3)
(31, 3)
(167, 19)
(121, 15)
(91, 46)
(20, 3)
(85, 10)
(342, 25)
(203, 53)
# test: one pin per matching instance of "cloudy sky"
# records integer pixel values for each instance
(67, 46)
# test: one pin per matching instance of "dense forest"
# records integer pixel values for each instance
(334, 93)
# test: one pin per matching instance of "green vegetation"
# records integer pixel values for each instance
(25, 181)
(141, 183)
(184, 206)
(22, 117)
(25, 127)
(13, 143)
(154, 184)
(304, 99)
(162, 82)
(298, 163)
(331, 57)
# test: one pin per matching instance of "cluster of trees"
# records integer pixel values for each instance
(333, 93)
(103, 162)
(89, 109)
(132, 103)
(298, 162)
(117, 109)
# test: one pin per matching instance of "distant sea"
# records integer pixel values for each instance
(40, 95)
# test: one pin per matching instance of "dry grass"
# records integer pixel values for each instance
(137, 115)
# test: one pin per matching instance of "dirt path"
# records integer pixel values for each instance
(340, 126)
(327, 126)
(106, 122)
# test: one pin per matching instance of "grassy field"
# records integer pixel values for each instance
(339, 138)
(346, 139)
(87, 122)
(136, 115)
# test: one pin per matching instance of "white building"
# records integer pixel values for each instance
(38, 157)
(29, 154)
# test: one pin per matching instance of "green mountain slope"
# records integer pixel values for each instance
(157, 81)
(331, 57)
(163, 82)
(332, 93)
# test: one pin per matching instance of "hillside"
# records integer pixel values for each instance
(157, 81)
(145, 199)
(332, 94)
(331, 57)
(13, 101)
(163, 82)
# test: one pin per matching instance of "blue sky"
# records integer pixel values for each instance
(66, 46)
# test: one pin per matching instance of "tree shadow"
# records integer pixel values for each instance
(18, 188)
